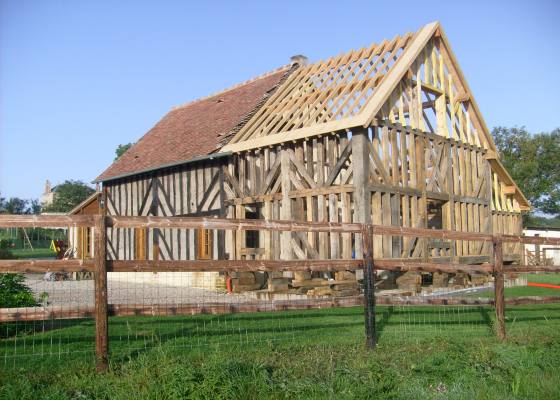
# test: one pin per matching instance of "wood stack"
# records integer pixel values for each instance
(343, 284)
(245, 281)
(460, 280)
(479, 279)
(440, 279)
(278, 283)
(410, 280)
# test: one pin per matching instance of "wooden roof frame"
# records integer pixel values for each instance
(93, 197)
(367, 115)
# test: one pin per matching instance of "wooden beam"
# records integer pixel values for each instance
(42, 266)
(232, 265)
(292, 135)
(286, 210)
(101, 296)
(397, 73)
(45, 221)
(362, 193)
(499, 289)
(405, 265)
(189, 309)
(230, 224)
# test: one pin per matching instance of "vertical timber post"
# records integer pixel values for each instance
(362, 194)
(286, 252)
(362, 214)
(369, 286)
(499, 287)
(101, 321)
(537, 252)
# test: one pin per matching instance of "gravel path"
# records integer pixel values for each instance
(128, 292)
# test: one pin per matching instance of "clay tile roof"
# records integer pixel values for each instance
(197, 128)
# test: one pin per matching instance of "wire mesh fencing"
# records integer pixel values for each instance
(174, 298)
(56, 319)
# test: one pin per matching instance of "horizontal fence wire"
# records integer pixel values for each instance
(186, 302)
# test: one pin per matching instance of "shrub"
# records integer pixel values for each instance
(14, 293)
(6, 254)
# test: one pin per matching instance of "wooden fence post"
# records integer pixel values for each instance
(499, 302)
(369, 286)
(101, 320)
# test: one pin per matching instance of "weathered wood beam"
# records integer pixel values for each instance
(72, 312)
(403, 265)
(231, 265)
(286, 251)
(42, 266)
(230, 224)
(362, 194)
(101, 295)
(45, 221)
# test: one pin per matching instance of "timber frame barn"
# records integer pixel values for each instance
(389, 134)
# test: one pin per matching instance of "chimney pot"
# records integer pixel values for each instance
(299, 59)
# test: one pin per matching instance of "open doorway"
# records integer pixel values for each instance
(252, 238)
(436, 211)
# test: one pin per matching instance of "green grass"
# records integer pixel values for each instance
(528, 290)
(423, 352)
(35, 253)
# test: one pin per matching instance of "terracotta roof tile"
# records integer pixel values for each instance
(195, 129)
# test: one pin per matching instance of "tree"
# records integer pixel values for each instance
(533, 162)
(68, 195)
(34, 206)
(121, 149)
(15, 205)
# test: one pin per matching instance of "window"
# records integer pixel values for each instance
(205, 244)
(438, 218)
(139, 244)
(435, 213)
(252, 237)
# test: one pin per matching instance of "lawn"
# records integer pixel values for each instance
(35, 253)
(423, 352)
(528, 290)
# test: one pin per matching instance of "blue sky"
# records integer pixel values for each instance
(79, 77)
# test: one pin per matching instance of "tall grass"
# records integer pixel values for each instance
(434, 353)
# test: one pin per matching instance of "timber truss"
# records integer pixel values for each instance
(412, 80)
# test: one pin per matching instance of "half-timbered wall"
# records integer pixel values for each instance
(415, 179)
(192, 190)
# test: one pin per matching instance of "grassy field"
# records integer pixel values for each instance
(423, 352)
(36, 253)
(528, 290)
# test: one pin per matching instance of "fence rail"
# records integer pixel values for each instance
(101, 266)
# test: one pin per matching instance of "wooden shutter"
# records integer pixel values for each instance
(205, 244)
(139, 243)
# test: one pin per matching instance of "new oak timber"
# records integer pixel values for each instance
(388, 134)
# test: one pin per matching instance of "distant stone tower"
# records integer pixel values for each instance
(48, 196)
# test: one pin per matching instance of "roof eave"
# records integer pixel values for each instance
(205, 157)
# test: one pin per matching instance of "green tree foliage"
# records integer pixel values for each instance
(68, 195)
(535, 221)
(534, 163)
(14, 293)
(121, 149)
(15, 205)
